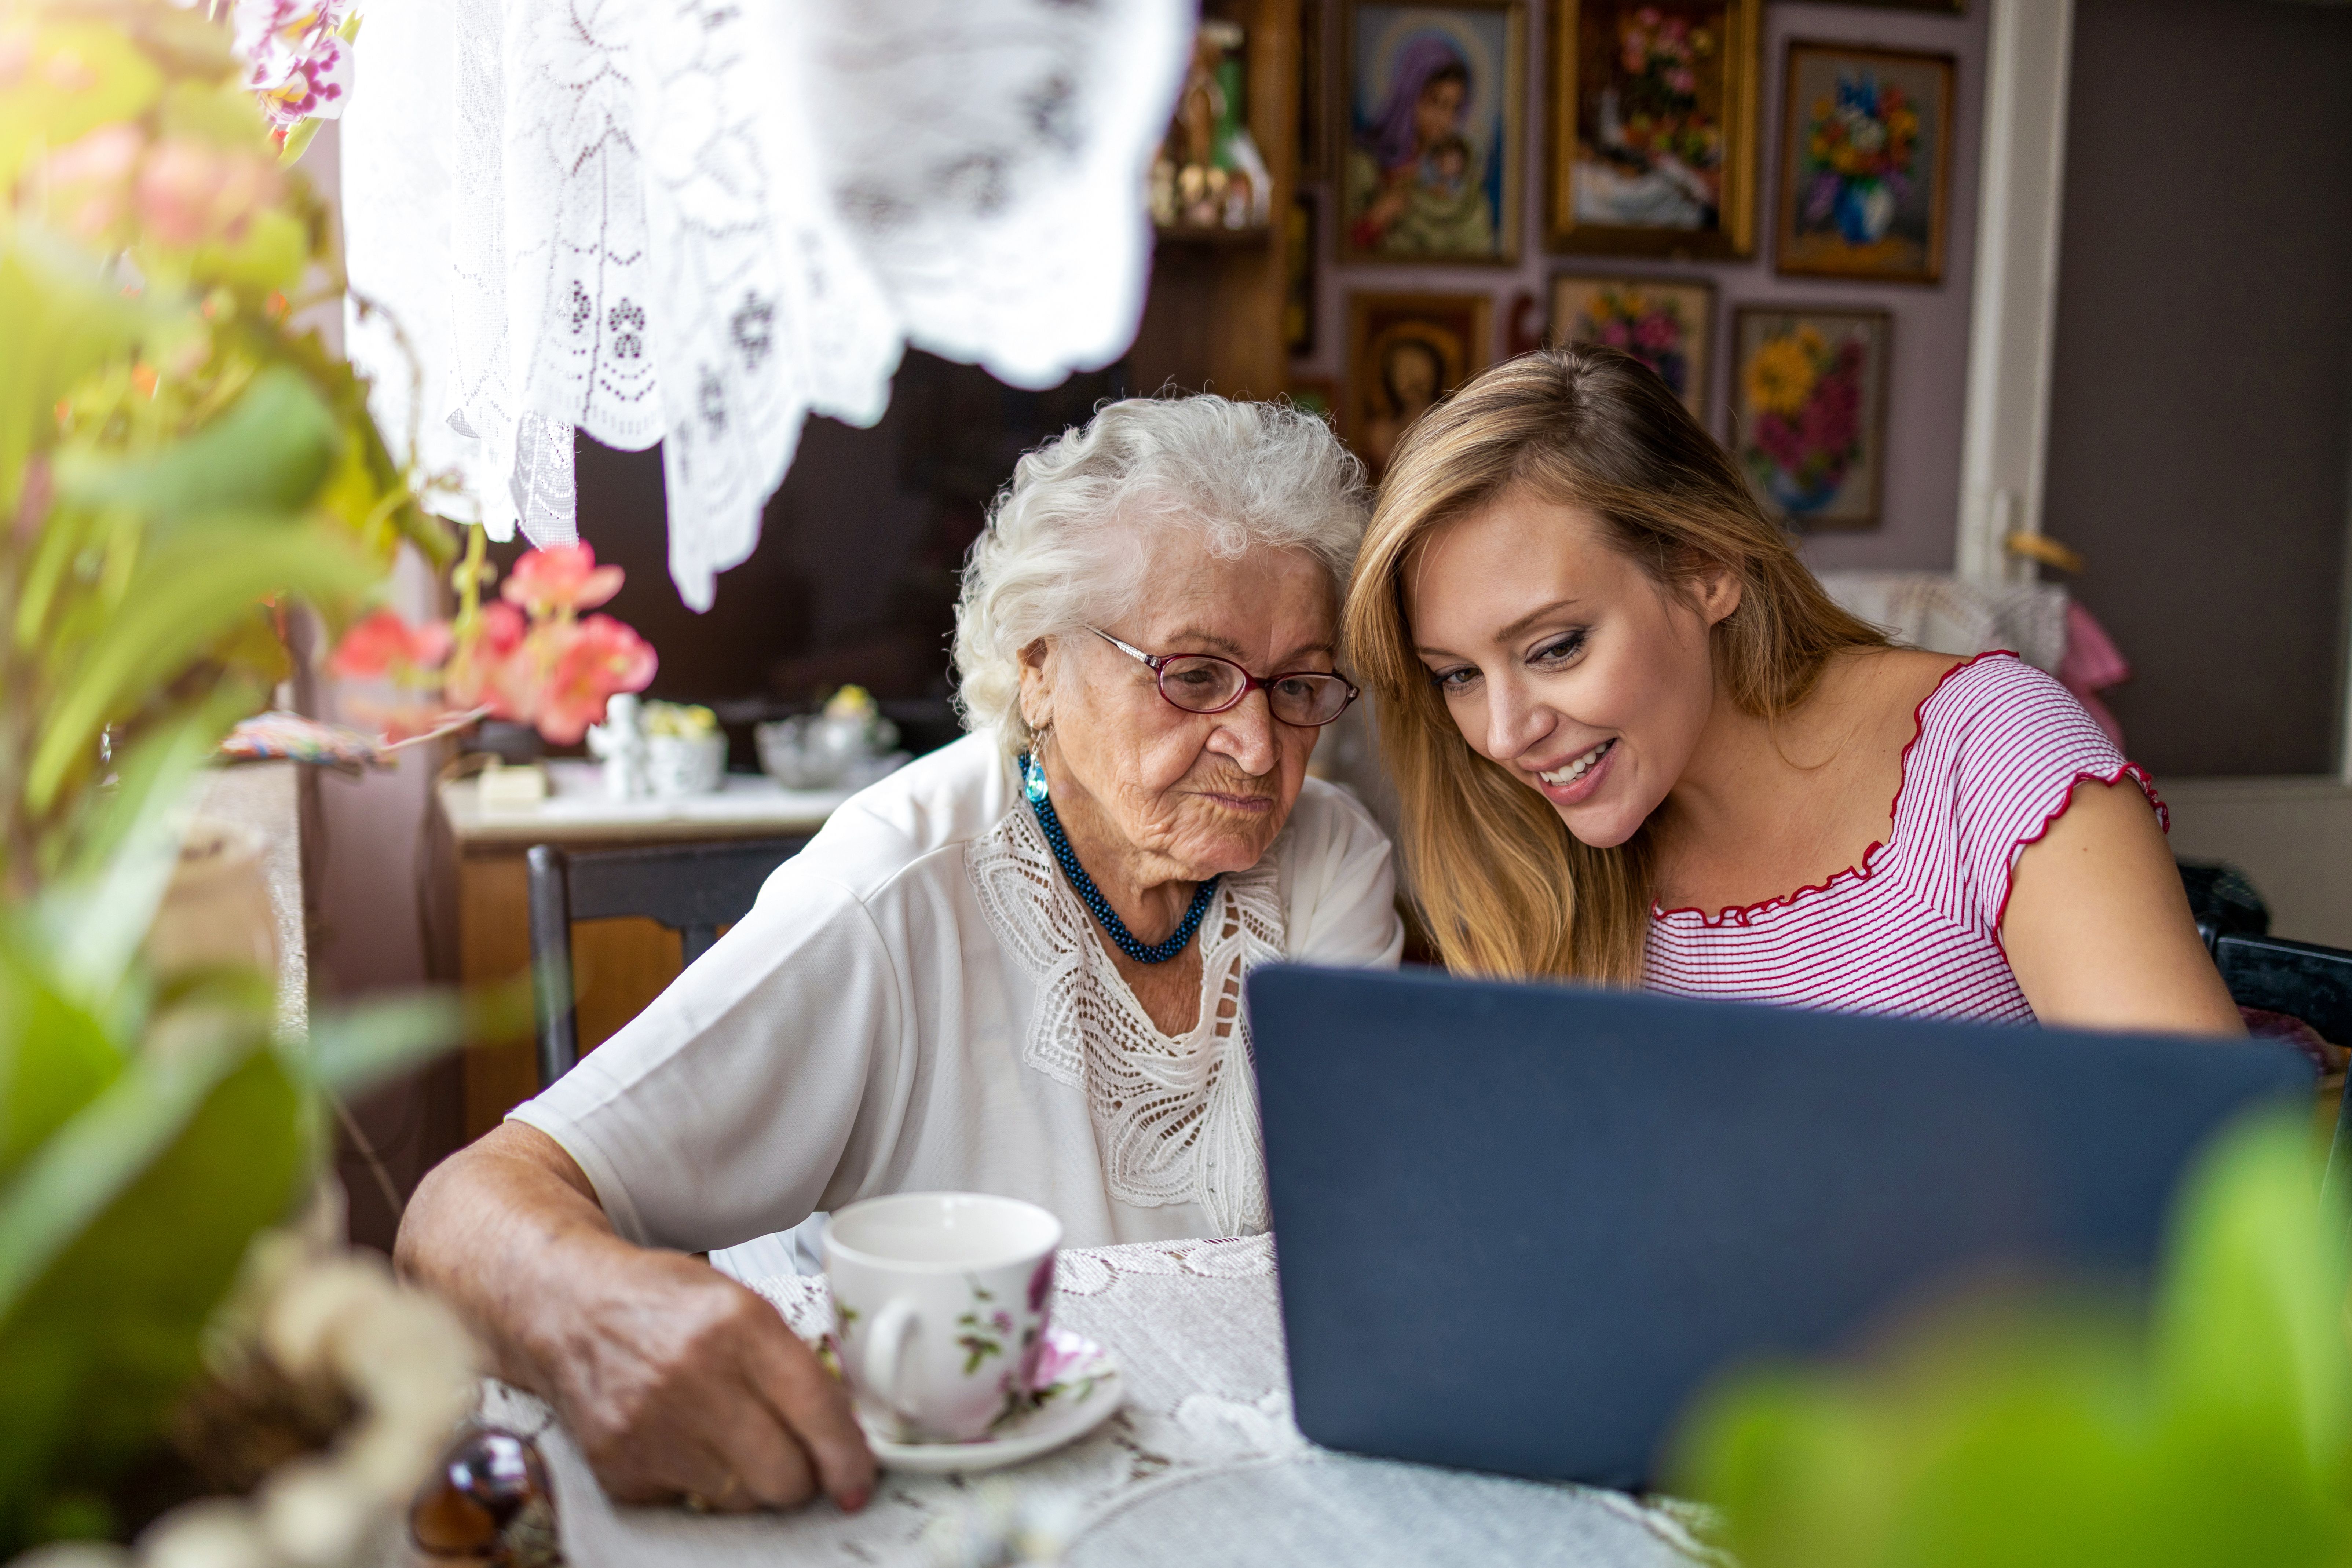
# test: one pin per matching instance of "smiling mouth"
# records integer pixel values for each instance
(1580, 766)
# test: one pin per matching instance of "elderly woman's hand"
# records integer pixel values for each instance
(675, 1379)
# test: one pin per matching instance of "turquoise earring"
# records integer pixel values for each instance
(1033, 777)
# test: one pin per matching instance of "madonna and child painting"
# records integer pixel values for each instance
(1430, 147)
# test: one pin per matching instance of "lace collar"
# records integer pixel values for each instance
(1172, 1124)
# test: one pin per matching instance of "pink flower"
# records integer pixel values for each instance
(1057, 1354)
(1831, 416)
(382, 644)
(489, 670)
(1657, 332)
(593, 659)
(1615, 333)
(190, 191)
(1778, 439)
(1682, 79)
(1041, 1283)
(563, 577)
(88, 183)
(297, 63)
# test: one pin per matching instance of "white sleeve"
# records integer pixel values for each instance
(1340, 884)
(755, 1091)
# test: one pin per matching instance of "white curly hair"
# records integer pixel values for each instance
(1062, 552)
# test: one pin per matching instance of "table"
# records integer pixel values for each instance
(620, 966)
(1202, 1465)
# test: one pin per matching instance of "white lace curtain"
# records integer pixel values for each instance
(697, 221)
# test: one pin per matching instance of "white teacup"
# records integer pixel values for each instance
(940, 1302)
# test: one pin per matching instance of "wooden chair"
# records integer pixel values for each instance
(692, 888)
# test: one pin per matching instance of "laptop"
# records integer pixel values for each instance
(1520, 1226)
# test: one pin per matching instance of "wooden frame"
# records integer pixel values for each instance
(1832, 245)
(1353, 171)
(1696, 300)
(1455, 329)
(1733, 234)
(1791, 497)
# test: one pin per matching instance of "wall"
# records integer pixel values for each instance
(367, 845)
(2200, 427)
(1929, 372)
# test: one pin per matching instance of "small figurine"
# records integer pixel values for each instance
(619, 742)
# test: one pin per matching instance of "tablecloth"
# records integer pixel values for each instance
(1202, 1465)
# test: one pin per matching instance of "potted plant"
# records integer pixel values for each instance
(188, 1364)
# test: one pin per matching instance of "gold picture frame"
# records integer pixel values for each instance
(1457, 203)
(1405, 351)
(1667, 323)
(1880, 219)
(1661, 161)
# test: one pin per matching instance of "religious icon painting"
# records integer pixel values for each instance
(1865, 155)
(1652, 134)
(1404, 352)
(1667, 323)
(1429, 133)
(1810, 391)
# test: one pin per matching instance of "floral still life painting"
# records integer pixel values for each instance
(1654, 127)
(1430, 166)
(1810, 391)
(1668, 325)
(1865, 147)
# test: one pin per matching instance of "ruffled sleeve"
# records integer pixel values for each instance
(2017, 743)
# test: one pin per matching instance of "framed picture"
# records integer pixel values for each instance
(1653, 132)
(1667, 323)
(1810, 389)
(1299, 256)
(1429, 133)
(1404, 352)
(1865, 160)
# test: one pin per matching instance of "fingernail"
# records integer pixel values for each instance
(853, 1500)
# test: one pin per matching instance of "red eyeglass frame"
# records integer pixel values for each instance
(1158, 663)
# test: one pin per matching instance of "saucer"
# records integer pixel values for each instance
(1086, 1387)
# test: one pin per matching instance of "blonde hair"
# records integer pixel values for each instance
(1065, 544)
(1503, 887)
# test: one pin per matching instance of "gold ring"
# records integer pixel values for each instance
(696, 1503)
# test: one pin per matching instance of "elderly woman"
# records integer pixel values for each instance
(1014, 966)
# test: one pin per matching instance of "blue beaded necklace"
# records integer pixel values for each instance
(1032, 785)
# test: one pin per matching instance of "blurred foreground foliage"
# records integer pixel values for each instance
(182, 468)
(2060, 1431)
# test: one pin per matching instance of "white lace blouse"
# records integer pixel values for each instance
(918, 1002)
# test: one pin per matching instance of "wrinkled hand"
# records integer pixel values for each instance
(676, 1381)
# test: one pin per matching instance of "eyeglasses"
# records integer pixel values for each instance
(1202, 683)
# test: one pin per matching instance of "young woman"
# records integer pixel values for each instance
(1637, 743)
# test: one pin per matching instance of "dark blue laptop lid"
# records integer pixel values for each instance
(1519, 1225)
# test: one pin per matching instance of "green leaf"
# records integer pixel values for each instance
(352, 1049)
(96, 912)
(60, 317)
(183, 597)
(54, 1060)
(2047, 1432)
(149, 1201)
(268, 452)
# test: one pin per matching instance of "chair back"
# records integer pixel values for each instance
(691, 888)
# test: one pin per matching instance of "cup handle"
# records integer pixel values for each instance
(886, 1353)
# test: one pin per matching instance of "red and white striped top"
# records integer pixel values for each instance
(1916, 928)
